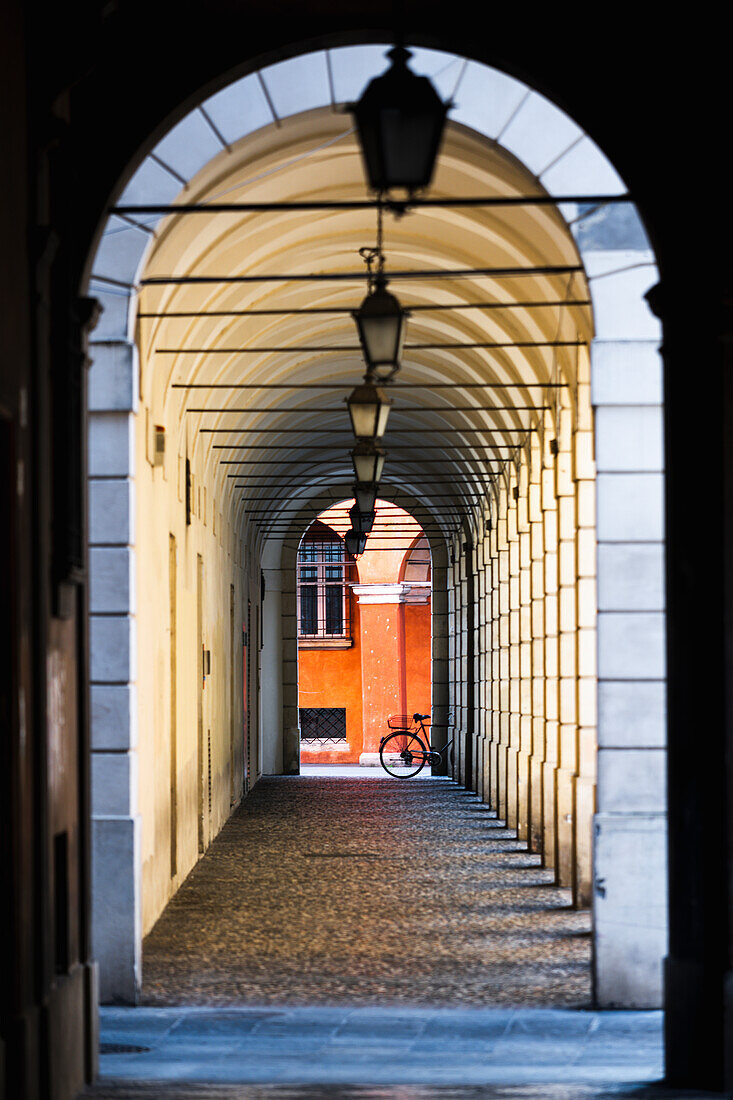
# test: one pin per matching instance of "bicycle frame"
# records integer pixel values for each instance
(429, 756)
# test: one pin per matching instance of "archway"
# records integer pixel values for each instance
(501, 518)
(364, 635)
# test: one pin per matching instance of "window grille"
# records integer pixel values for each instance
(323, 727)
(322, 594)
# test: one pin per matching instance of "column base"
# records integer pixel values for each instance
(370, 760)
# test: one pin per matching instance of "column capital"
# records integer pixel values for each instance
(398, 592)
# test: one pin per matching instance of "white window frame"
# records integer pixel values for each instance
(322, 582)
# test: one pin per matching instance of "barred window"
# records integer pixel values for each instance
(322, 589)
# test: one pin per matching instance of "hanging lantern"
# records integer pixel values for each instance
(369, 411)
(361, 521)
(355, 542)
(400, 119)
(368, 459)
(365, 495)
(380, 321)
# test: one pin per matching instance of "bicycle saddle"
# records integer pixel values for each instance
(420, 717)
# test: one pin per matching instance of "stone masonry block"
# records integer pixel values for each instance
(539, 133)
(630, 507)
(112, 648)
(626, 372)
(114, 783)
(631, 576)
(583, 169)
(117, 907)
(121, 251)
(114, 323)
(618, 282)
(114, 716)
(113, 377)
(631, 781)
(111, 579)
(111, 444)
(112, 511)
(632, 714)
(631, 645)
(628, 438)
(629, 909)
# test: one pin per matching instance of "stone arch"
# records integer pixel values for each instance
(283, 556)
(626, 397)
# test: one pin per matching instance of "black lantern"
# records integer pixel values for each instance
(361, 521)
(400, 119)
(380, 321)
(355, 543)
(368, 459)
(365, 495)
(369, 410)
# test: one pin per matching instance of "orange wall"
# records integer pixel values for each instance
(332, 678)
(418, 657)
(370, 681)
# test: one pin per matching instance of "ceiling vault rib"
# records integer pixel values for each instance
(355, 347)
(421, 308)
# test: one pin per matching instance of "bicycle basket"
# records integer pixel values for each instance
(400, 721)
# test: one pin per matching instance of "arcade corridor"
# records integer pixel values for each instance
(368, 892)
(392, 940)
(196, 364)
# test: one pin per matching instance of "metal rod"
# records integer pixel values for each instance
(419, 308)
(395, 408)
(307, 205)
(358, 276)
(459, 495)
(320, 348)
(344, 431)
(350, 385)
(251, 478)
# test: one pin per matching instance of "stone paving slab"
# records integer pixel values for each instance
(346, 890)
(412, 1054)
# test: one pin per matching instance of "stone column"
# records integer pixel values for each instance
(487, 633)
(551, 658)
(567, 652)
(440, 670)
(536, 818)
(525, 656)
(116, 835)
(504, 655)
(514, 655)
(630, 825)
(496, 684)
(585, 498)
(480, 661)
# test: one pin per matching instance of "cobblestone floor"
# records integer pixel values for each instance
(351, 891)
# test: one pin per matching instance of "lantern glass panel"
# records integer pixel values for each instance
(400, 119)
(368, 461)
(365, 496)
(381, 325)
(369, 411)
(355, 543)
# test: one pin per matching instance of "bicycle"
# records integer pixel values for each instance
(404, 753)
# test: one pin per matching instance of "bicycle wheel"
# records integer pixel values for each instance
(403, 754)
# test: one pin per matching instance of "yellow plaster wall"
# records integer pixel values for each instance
(161, 512)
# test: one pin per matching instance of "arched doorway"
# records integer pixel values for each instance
(364, 634)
